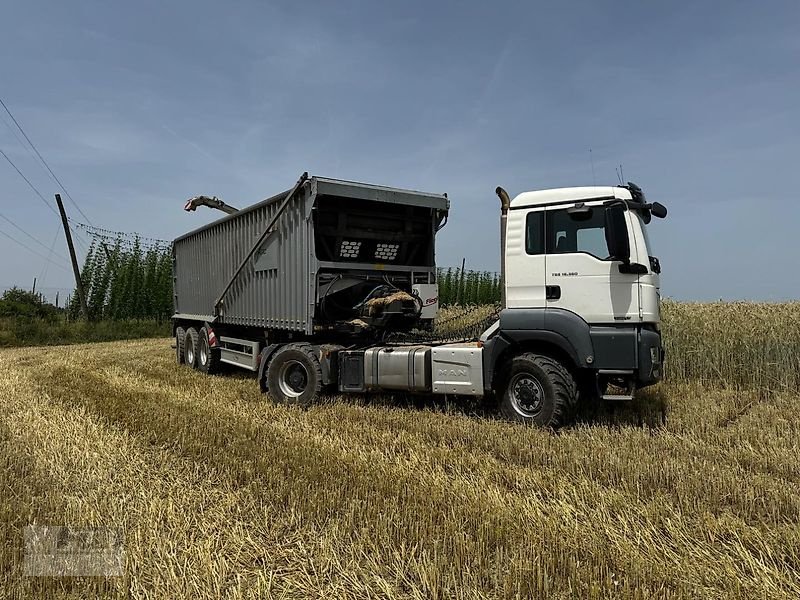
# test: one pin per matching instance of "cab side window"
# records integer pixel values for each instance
(569, 233)
(534, 233)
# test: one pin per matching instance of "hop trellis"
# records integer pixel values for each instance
(122, 236)
(126, 279)
(465, 288)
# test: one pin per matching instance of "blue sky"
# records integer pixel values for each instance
(137, 106)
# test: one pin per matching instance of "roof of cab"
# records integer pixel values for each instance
(570, 194)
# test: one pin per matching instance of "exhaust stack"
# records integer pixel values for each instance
(505, 204)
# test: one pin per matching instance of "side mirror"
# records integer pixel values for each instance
(658, 210)
(616, 229)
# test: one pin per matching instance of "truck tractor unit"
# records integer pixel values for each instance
(330, 287)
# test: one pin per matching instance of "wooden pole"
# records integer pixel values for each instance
(460, 294)
(75, 270)
(33, 291)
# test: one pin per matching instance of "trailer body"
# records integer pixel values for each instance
(333, 240)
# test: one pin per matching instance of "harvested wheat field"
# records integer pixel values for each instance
(693, 491)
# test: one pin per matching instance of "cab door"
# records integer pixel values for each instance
(525, 259)
(580, 276)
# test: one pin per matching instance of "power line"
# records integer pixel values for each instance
(33, 187)
(44, 162)
(108, 234)
(43, 272)
(20, 229)
(29, 249)
(19, 139)
(90, 228)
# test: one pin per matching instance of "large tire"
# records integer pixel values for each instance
(294, 375)
(180, 334)
(538, 390)
(190, 344)
(208, 358)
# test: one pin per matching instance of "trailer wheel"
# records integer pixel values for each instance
(208, 358)
(539, 390)
(294, 375)
(180, 334)
(190, 347)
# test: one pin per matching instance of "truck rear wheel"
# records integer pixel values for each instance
(539, 390)
(180, 334)
(294, 375)
(190, 347)
(208, 358)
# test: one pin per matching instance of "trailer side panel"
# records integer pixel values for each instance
(272, 291)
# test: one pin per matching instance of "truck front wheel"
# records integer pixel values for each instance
(294, 375)
(539, 390)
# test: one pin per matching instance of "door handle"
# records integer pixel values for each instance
(552, 292)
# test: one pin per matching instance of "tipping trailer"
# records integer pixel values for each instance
(308, 288)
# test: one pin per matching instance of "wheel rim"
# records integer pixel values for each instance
(526, 394)
(190, 353)
(203, 351)
(293, 378)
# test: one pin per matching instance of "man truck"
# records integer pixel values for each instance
(330, 287)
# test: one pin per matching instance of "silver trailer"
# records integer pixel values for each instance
(326, 242)
(327, 261)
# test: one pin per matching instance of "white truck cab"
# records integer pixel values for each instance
(581, 293)
(557, 256)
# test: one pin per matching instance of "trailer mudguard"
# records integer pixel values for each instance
(263, 362)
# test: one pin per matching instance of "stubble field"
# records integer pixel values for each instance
(692, 491)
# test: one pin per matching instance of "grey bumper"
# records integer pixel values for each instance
(651, 358)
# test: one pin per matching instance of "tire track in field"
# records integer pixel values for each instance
(189, 531)
(668, 465)
(28, 496)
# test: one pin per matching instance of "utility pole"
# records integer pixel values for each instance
(33, 291)
(75, 270)
(460, 291)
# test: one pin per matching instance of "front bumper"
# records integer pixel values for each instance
(651, 358)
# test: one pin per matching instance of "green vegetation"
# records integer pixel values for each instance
(19, 303)
(126, 280)
(27, 320)
(465, 288)
(21, 331)
(129, 295)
